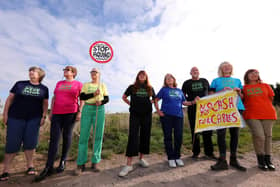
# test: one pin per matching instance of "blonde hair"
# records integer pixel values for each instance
(165, 83)
(220, 71)
(40, 71)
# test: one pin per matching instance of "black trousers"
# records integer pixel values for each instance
(221, 138)
(139, 134)
(234, 136)
(206, 135)
(60, 124)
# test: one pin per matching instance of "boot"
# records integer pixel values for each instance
(48, 171)
(234, 163)
(267, 160)
(94, 167)
(261, 163)
(221, 164)
(61, 167)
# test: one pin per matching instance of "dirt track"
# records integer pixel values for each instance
(194, 173)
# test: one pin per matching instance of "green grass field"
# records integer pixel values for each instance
(116, 134)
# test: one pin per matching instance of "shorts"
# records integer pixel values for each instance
(21, 131)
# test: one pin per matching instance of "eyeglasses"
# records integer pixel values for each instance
(94, 72)
(255, 72)
(66, 69)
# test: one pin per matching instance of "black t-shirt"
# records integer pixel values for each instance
(192, 88)
(28, 100)
(140, 101)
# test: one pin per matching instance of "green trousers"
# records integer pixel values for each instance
(87, 121)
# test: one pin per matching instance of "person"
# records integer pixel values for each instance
(171, 118)
(24, 112)
(260, 116)
(94, 95)
(226, 82)
(192, 88)
(140, 120)
(63, 114)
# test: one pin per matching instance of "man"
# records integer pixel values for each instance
(192, 88)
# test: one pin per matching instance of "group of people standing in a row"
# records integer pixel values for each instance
(26, 109)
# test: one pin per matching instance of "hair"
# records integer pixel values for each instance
(40, 71)
(147, 85)
(165, 77)
(246, 76)
(220, 71)
(73, 69)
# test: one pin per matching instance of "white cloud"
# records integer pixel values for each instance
(189, 33)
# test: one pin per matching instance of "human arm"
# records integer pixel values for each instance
(8, 103)
(45, 111)
(124, 98)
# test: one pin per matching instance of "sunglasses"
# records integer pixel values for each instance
(94, 72)
(67, 69)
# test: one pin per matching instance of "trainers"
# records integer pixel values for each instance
(220, 165)
(143, 163)
(125, 170)
(172, 163)
(179, 162)
(78, 171)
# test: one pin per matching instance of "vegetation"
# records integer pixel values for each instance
(116, 134)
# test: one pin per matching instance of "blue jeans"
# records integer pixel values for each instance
(172, 123)
(22, 131)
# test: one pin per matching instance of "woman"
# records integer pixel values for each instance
(64, 112)
(140, 119)
(95, 95)
(171, 118)
(24, 112)
(226, 82)
(260, 116)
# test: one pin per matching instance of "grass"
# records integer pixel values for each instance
(116, 135)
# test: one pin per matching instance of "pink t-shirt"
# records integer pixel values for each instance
(66, 97)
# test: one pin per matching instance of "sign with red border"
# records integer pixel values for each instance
(101, 52)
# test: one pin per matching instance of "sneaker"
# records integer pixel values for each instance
(143, 163)
(179, 162)
(220, 165)
(172, 163)
(78, 171)
(125, 170)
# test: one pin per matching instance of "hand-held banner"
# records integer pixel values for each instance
(218, 111)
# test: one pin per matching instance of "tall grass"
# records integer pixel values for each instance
(116, 135)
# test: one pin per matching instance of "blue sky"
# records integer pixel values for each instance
(160, 36)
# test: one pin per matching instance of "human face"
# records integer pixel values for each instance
(142, 77)
(169, 80)
(253, 76)
(34, 75)
(94, 74)
(195, 73)
(227, 69)
(68, 73)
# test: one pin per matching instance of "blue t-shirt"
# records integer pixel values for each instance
(28, 100)
(172, 99)
(221, 82)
